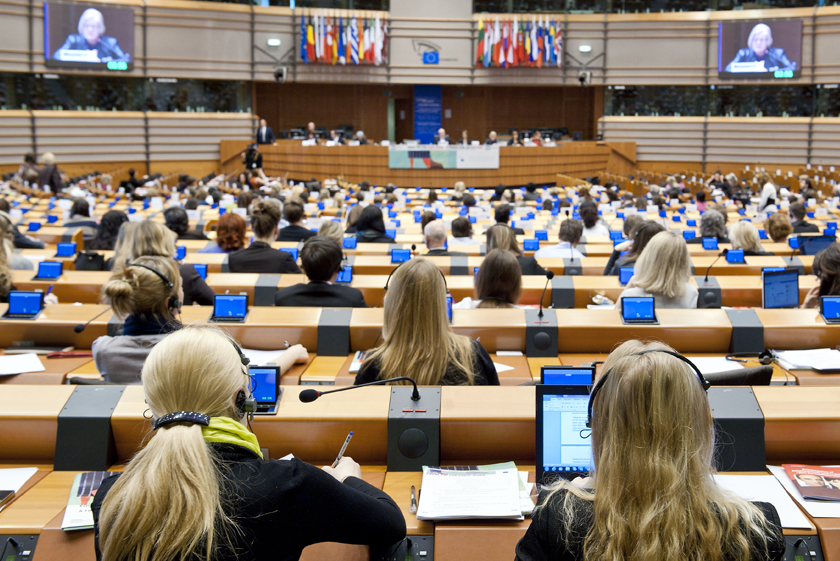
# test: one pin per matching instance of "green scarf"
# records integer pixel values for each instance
(227, 431)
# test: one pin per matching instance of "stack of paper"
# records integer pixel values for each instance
(262, 358)
(823, 360)
(766, 489)
(11, 480)
(817, 509)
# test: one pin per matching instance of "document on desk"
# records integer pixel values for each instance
(18, 364)
(817, 509)
(262, 358)
(821, 360)
(714, 364)
(765, 488)
(455, 495)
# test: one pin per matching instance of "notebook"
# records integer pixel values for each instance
(564, 444)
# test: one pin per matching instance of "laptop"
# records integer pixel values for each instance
(292, 250)
(449, 300)
(65, 249)
(811, 245)
(625, 274)
(780, 289)
(541, 235)
(830, 309)
(49, 270)
(735, 256)
(567, 375)
(400, 255)
(267, 390)
(638, 310)
(689, 234)
(345, 276)
(230, 308)
(532, 244)
(710, 243)
(202, 270)
(564, 444)
(350, 243)
(24, 305)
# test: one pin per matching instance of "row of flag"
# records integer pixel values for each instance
(505, 44)
(336, 40)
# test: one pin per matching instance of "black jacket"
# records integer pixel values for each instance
(482, 364)
(371, 236)
(107, 49)
(49, 175)
(268, 138)
(320, 295)
(25, 242)
(195, 289)
(699, 239)
(295, 234)
(530, 266)
(282, 506)
(193, 235)
(545, 538)
(441, 252)
(803, 227)
(774, 59)
(260, 257)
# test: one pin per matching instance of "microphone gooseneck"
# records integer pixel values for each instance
(308, 396)
(549, 275)
(81, 327)
(721, 254)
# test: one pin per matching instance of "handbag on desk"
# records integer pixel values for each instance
(90, 261)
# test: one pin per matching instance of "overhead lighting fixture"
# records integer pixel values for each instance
(585, 48)
(273, 42)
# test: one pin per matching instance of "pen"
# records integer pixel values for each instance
(343, 448)
(49, 289)
(413, 508)
(287, 344)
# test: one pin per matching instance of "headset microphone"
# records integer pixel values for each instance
(81, 327)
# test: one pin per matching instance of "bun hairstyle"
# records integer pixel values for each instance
(265, 216)
(136, 290)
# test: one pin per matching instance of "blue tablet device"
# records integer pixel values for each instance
(400, 255)
(292, 250)
(624, 275)
(346, 275)
(780, 289)
(689, 234)
(638, 309)
(49, 270)
(230, 307)
(567, 375)
(710, 243)
(24, 305)
(735, 256)
(180, 252)
(202, 270)
(830, 308)
(793, 242)
(616, 235)
(541, 235)
(390, 232)
(449, 308)
(762, 234)
(350, 243)
(65, 249)
(532, 244)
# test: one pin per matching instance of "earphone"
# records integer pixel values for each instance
(703, 382)
(765, 357)
(243, 403)
(174, 303)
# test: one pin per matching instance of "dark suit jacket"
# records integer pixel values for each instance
(268, 138)
(260, 257)
(530, 266)
(444, 253)
(437, 139)
(699, 239)
(803, 227)
(49, 176)
(25, 242)
(193, 235)
(320, 295)
(295, 234)
(195, 289)
(375, 239)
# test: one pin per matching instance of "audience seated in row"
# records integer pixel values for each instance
(498, 283)
(178, 221)
(663, 270)
(712, 225)
(231, 235)
(639, 239)
(20, 240)
(109, 228)
(501, 236)
(80, 218)
(260, 257)
(570, 233)
(371, 226)
(434, 235)
(295, 231)
(744, 235)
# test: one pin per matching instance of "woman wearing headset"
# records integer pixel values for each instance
(201, 489)
(651, 494)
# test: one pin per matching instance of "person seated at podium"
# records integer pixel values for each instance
(153, 238)
(441, 138)
(826, 267)
(147, 294)
(778, 227)
(514, 139)
(434, 236)
(260, 257)
(502, 216)
(465, 138)
(663, 271)
(651, 493)
(295, 231)
(498, 283)
(202, 489)
(492, 139)
(321, 260)
(536, 138)
(418, 340)
(501, 236)
(178, 221)
(337, 138)
(231, 234)
(570, 232)
(744, 235)
(462, 232)
(712, 225)
(360, 136)
(640, 237)
(798, 213)
(109, 229)
(371, 227)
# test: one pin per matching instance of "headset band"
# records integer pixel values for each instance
(190, 417)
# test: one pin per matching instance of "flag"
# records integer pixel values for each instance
(372, 47)
(534, 48)
(330, 42)
(354, 41)
(310, 41)
(316, 37)
(488, 45)
(558, 47)
(480, 49)
(303, 38)
(326, 50)
(520, 40)
(342, 42)
(503, 57)
(497, 43)
(377, 42)
(549, 46)
(540, 44)
(513, 58)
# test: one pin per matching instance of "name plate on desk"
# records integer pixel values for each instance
(443, 157)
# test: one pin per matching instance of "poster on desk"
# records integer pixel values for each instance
(443, 157)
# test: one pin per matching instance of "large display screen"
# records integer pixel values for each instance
(768, 49)
(92, 36)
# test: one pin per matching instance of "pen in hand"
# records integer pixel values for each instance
(413, 508)
(287, 344)
(343, 448)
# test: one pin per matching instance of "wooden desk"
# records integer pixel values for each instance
(39, 505)
(56, 371)
(29, 421)
(54, 326)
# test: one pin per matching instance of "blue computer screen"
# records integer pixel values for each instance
(640, 307)
(202, 270)
(25, 303)
(710, 243)
(811, 245)
(735, 256)
(291, 250)
(449, 308)
(781, 290)
(265, 380)
(616, 235)
(350, 243)
(400, 255)
(831, 307)
(564, 429)
(390, 232)
(65, 249)
(625, 274)
(49, 269)
(793, 242)
(230, 305)
(345, 276)
(571, 376)
(541, 235)
(180, 252)
(532, 244)
(689, 234)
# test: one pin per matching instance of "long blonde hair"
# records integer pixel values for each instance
(744, 235)
(664, 266)
(142, 238)
(6, 249)
(137, 290)
(502, 236)
(168, 505)
(653, 447)
(418, 340)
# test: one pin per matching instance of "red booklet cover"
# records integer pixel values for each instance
(817, 483)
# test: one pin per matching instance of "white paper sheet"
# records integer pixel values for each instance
(817, 509)
(13, 479)
(469, 494)
(812, 359)
(502, 367)
(509, 353)
(765, 488)
(18, 364)
(262, 358)
(714, 364)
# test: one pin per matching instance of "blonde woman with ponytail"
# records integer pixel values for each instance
(651, 494)
(146, 293)
(201, 489)
(418, 340)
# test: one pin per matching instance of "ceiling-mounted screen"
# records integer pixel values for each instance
(94, 36)
(760, 49)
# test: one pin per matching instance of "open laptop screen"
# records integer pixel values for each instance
(25, 303)
(780, 289)
(564, 446)
(567, 375)
(230, 306)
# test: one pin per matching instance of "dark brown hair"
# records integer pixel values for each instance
(498, 283)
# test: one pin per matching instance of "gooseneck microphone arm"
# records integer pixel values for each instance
(549, 275)
(81, 327)
(308, 396)
(721, 254)
(571, 247)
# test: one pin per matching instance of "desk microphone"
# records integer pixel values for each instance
(792, 253)
(308, 396)
(549, 275)
(571, 247)
(413, 249)
(81, 327)
(721, 254)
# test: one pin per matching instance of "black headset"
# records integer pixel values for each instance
(243, 403)
(387, 282)
(703, 381)
(174, 303)
(765, 357)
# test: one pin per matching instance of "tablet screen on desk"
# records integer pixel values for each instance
(830, 308)
(230, 305)
(180, 252)
(811, 245)
(710, 243)
(793, 242)
(532, 244)
(390, 232)
(400, 255)
(637, 309)
(616, 235)
(49, 269)
(735, 256)
(202, 270)
(346, 275)
(780, 289)
(65, 250)
(541, 235)
(689, 234)
(567, 375)
(25, 303)
(265, 383)
(350, 243)
(625, 274)
(292, 250)
(564, 448)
